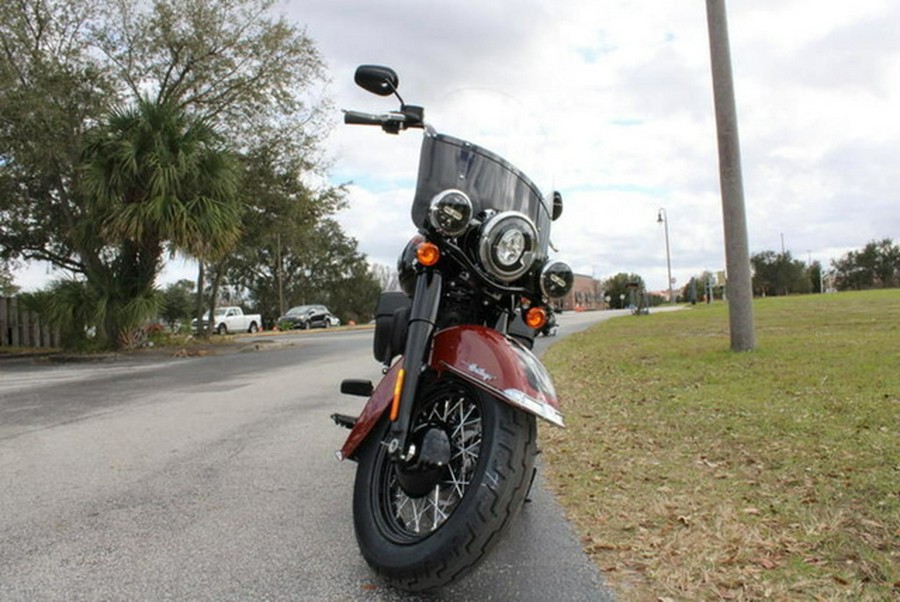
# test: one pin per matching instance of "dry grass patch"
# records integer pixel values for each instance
(696, 473)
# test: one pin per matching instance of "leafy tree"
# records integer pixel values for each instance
(357, 293)
(230, 62)
(319, 264)
(154, 177)
(177, 303)
(704, 286)
(778, 274)
(816, 276)
(72, 306)
(279, 236)
(50, 95)
(622, 289)
(7, 285)
(877, 265)
(66, 63)
(332, 262)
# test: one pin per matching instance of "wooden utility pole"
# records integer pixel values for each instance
(737, 254)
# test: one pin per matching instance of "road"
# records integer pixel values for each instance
(214, 478)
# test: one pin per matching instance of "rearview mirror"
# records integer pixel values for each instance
(377, 79)
(557, 205)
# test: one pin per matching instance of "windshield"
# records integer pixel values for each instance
(489, 181)
(302, 309)
(494, 151)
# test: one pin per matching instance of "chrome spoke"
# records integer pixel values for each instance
(460, 416)
(439, 516)
(417, 517)
(455, 482)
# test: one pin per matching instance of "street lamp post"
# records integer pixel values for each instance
(663, 218)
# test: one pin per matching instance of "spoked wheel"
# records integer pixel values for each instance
(425, 523)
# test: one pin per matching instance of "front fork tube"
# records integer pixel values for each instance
(423, 315)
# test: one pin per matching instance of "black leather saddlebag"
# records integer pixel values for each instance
(391, 323)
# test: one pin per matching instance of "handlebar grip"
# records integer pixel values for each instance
(359, 118)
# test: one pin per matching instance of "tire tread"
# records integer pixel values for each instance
(492, 516)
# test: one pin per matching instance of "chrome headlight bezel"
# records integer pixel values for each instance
(556, 279)
(450, 212)
(510, 229)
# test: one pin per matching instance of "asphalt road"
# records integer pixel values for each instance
(214, 478)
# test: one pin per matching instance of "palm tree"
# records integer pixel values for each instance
(156, 180)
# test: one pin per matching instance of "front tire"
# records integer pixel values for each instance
(423, 527)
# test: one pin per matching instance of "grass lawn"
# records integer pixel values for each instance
(696, 473)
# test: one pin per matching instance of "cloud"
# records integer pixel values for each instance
(623, 93)
(611, 103)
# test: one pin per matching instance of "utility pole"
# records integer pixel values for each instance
(737, 254)
(279, 276)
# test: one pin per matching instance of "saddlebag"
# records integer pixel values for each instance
(391, 323)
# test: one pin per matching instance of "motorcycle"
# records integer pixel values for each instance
(446, 442)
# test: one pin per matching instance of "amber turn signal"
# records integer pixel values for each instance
(398, 390)
(536, 317)
(428, 254)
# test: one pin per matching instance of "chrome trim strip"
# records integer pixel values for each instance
(515, 397)
(543, 410)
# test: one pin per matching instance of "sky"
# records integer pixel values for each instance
(610, 102)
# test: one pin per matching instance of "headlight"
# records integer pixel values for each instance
(556, 279)
(507, 246)
(450, 212)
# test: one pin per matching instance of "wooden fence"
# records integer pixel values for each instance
(22, 328)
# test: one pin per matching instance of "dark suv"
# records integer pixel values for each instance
(309, 316)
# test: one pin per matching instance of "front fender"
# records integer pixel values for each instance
(371, 413)
(482, 357)
(500, 366)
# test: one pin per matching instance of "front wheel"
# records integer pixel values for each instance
(420, 526)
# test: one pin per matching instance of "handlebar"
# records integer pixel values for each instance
(360, 118)
(392, 122)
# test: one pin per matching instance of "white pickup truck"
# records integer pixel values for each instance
(233, 319)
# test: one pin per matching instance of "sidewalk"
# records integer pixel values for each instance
(227, 345)
(150, 353)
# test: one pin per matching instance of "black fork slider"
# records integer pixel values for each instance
(344, 420)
